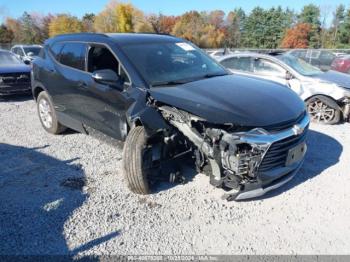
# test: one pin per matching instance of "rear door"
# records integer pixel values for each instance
(240, 65)
(68, 77)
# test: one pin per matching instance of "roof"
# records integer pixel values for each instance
(120, 38)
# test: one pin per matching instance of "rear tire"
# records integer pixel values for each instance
(133, 161)
(323, 110)
(47, 115)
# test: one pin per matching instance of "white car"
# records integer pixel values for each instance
(26, 53)
(327, 94)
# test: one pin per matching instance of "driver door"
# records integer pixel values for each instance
(105, 104)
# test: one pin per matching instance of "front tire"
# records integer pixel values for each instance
(323, 110)
(134, 161)
(47, 115)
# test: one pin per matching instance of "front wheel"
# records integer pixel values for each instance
(323, 111)
(135, 161)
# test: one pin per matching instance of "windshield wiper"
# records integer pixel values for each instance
(170, 83)
(214, 75)
(184, 81)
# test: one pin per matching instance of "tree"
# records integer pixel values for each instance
(88, 22)
(162, 24)
(234, 27)
(265, 28)
(190, 26)
(63, 24)
(14, 26)
(338, 19)
(310, 14)
(6, 35)
(106, 21)
(125, 18)
(297, 37)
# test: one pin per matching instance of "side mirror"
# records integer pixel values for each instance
(27, 62)
(107, 77)
(289, 76)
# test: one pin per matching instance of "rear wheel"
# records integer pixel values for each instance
(322, 110)
(47, 114)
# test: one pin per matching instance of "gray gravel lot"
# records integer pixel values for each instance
(66, 195)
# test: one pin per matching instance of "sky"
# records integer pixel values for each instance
(15, 8)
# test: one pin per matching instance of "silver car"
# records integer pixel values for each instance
(26, 53)
(327, 94)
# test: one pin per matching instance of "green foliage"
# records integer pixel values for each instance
(266, 28)
(261, 28)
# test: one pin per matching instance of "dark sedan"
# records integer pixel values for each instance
(14, 75)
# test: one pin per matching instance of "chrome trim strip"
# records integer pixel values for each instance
(260, 136)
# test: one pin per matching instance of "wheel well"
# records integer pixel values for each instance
(37, 91)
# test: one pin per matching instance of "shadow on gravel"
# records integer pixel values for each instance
(323, 152)
(16, 98)
(38, 194)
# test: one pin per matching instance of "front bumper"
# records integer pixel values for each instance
(258, 189)
(15, 89)
(277, 170)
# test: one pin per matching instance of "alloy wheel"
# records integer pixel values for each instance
(321, 112)
(45, 113)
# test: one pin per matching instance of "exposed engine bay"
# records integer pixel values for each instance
(230, 159)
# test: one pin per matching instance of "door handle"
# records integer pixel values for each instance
(82, 84)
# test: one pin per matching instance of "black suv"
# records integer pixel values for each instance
(167, 99)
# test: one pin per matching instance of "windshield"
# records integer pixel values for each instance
(8, 59)
(300, 65)
(34, 50)
(171, 63)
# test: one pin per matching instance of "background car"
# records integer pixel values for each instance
(341, 64)
(26, 53)
(319, 58)
(14, 75)
(327, 94)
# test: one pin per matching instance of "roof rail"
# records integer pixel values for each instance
(81, 34)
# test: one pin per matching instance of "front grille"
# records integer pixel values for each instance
(15, 78)
(276, 156)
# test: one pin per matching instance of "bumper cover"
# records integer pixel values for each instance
(258, 189)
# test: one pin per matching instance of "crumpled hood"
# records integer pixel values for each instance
(240, 100)
(5, 69)
(335, 77)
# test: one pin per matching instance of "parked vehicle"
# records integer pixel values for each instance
(341, 64)
(26, 53)
(14, 75)
(319, 58)
(218, 53)
(327, 94)
(166, 98)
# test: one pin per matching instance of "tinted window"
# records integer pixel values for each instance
(266, 67)
(238, 63)
(34, 50)
(56, 49)
(101, 58)
(73, 55)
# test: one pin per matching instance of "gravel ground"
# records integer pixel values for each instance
(66, 195)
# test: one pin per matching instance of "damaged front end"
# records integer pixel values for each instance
(245, 162)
